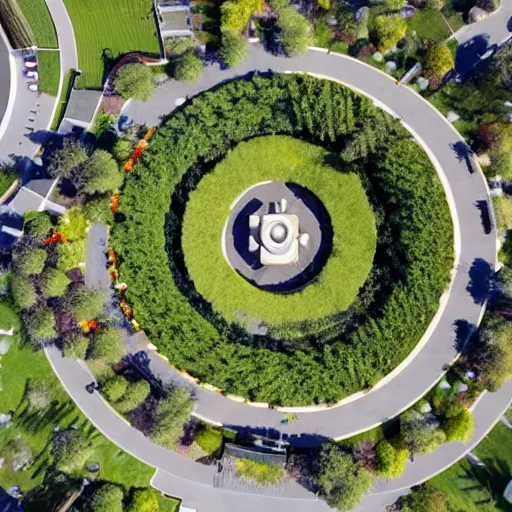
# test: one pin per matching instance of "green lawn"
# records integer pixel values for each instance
(6, 180)
(463, 490)
(429, 24)
(49, 72)
(38, 17)
(63, 100)
(287, 160)
(19, 366)
(106, 30)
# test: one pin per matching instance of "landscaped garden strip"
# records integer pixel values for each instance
(49, 72)
(106, 30)
(63, 100)
(286, 160)
(39, 19)
(415, 235)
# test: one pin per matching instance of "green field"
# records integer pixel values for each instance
(18, 367)
(429, 24)
(49, 72)
(106, 30)
(286, 160)
(38, 17)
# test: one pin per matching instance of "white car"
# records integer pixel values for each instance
(33, 87)
(30, 64)
(32, 74)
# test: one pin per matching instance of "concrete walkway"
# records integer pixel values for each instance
(193, 482)
(477, 246)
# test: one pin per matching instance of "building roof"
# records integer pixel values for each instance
(41, 187)
(82, 105)
(177, 19)
(25, 201)
(254, 453)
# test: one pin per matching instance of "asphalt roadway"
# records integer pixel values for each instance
(476, 234)
(5, 78)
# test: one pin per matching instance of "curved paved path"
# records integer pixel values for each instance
(477, 247)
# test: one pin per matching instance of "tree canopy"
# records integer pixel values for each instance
(107, 498)
(107, 345)
(439, 60)
(63, 161)
(235, 14)
(188, 67)
(390, 29)
(101, 173)
(296, 32)
(233, 49)
(420, 433)
(135, 81)
(54, 283)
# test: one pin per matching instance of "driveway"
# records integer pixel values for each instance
(5, 77)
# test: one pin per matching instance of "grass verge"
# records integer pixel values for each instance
(38, 17)
(106, 30)
(49, 72)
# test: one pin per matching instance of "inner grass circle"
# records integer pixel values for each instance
(287, 160)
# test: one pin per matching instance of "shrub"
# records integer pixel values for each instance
(501, 152)
(144, 500)
(104, 122)
(23, 292)
(179, 45)
(435, 4)
(107, 498)
(70, 449)
(425, 498)
(172, 413)
(188, 67)
(235, 14)
(99, 209)
(394, 5)
(503, 210)
(30, 261)
(261, 472)
(107, 345)
(391, 462)
(459, 427)
(123, 148)
(390, 29)
(439, 60)
(210, 439)
(496, 366)
(101, 173)
(54, 283)
(135, 81)
(39, 396)
(115, 388)
(324, 4)
(233, 50)
(73, 224)
(85, 303)
(37, 225)
(62, 162)
(420, 434)
(71, 255)
(76, 346)
(342, 482)
(133, 397)
(488, 5)
(41, 325)
(296, 32)
(17, 454)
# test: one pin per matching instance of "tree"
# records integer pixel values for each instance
(421, 434)
(85, 303)
(62, 162)
(41, 326)
(235, 14)
(71, 255)
(107, 345)
(501, 151)
(135, 81)
(38, 395)
(435, 4)
(115, 388)
(394, 5)
(424, 498)
(76, 346)
(439, 60)
(342, 482)
(172, 413)
(101, 173)
(72, 225)
(107, 498)
(17, 454)
(390, 29)
(324, 4)
(123, 148)
(30, 261)
(144, 500)
(488, 5)
(179, 45)
(136, 393)
(54, 283)
(70, 449)
(501, 66)
(37, 225)
(23, 292)
(233, 50)
(188, 67)
(391, 462)
(99, 209)
(296, 32)
(459, 427)
(496, 365)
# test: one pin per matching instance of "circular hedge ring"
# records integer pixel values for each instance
(332, 357)
(287, 160)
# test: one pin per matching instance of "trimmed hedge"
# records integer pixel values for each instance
(414, 228)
